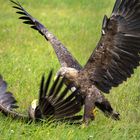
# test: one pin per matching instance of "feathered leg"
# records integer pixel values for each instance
(97, 99)
(64, 56)
(88, 109)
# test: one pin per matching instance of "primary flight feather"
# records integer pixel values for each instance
(112, 61)
(118, 51)
(55, 102)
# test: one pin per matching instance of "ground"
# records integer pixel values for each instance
(25, 56)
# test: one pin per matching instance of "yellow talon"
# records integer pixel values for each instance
(83, 125)
(95, 111)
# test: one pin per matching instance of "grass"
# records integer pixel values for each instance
(25, 56)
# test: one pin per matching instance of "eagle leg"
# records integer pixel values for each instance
(88, 109)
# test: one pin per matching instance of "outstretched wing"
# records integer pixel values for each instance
(7, 100)
(118, 51)
(64, 56)
(57, 102)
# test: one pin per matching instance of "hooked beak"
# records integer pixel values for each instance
(32, 109)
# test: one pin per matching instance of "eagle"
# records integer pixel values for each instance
(55, 103)
(65, 58)
(111, 63)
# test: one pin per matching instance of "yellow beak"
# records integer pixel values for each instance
(34, 104)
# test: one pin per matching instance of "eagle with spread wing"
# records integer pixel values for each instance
(113, 61)
(65, 58)
(55, 103)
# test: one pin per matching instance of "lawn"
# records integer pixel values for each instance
(25, 56)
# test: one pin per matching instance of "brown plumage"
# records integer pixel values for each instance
(55, 102)
(64, 56)
(114, 58)
(113, 61)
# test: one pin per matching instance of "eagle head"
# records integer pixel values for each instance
(34, 111)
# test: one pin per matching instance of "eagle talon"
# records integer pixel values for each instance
(95, 111)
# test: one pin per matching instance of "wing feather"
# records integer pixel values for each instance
(7, 100)
(118, 51)
(64, 56)
(57, 102)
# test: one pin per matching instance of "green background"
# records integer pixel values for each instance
(25, 56)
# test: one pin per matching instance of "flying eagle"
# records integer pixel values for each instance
(55, 102)
(113, 61)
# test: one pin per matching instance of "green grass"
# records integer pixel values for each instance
(25, 56)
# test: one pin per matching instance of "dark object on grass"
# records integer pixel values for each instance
(65, 58)
(113, 61)
(55, 102)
